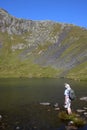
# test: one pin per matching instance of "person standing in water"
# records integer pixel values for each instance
(67, 99)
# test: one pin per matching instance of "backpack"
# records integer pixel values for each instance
(72, 94)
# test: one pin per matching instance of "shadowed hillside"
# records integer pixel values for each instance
(41, 48)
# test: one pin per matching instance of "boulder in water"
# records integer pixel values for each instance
(83, 98)
(45, 103)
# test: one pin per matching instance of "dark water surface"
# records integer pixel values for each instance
(20, 103)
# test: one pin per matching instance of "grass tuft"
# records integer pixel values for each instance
(78, 121)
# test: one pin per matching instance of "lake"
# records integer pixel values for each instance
(20, 100)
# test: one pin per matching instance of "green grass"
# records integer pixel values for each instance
(16, 68)
(78, 121)
(79, 72)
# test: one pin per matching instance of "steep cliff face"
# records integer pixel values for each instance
(41, 48)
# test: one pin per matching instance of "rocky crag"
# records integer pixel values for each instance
(41, 48)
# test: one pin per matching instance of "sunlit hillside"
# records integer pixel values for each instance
(41, 48)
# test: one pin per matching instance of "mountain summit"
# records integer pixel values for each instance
(41, 48)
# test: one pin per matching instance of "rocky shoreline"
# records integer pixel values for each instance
(81, 112)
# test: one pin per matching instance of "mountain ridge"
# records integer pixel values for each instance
(53, 49)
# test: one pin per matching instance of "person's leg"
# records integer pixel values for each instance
(69, 107)
(69, 110)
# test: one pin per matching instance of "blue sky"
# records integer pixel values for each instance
(64, 11)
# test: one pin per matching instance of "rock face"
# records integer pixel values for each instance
(47, 43)
(12, 25)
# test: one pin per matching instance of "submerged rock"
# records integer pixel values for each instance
(57, 108)
(85, 113)
(83, 98)
(17, 128)
(0, 117)
(85, 108)
(71, 127)
(45, 103)
(80, 110)
(56, 105)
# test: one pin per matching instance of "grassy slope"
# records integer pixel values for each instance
(12, 66)
(27, 69)
(74, 50)
(79, 72)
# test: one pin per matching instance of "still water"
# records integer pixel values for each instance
(20, 102)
